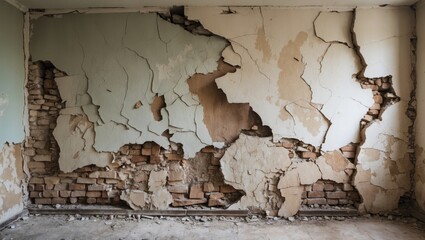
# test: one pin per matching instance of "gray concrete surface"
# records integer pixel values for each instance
(82, 227)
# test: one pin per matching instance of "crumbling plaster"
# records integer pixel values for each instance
(301, 79)
(118, 78)
(302, 69)
(420, 94)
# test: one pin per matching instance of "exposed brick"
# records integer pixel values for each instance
(139, 158)
(108, 174)
(86, 180)
(216, 195)
(42, 158)
(309, 155)
(78, 193)
(146, 151)
(36, 180)
(333, 201)
(77, 186)
(58, 200)
(173, 156)
(227, 189)
(178, 188)
(65, 194)
(96, 187)
(318, 186)
(196, 191)
(51, 180)
(91, 200)
(337, 194)
(34, 194)
(93, 194)
(316, 194)
(33, 164)
(73, 200)
(208, 187)
(61, 186)
(216, 202)
(329, 187)
(43, 201)
(320, 201)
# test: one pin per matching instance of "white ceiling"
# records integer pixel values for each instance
(66, 4)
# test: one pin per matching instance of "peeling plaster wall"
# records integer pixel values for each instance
(12, 76)
(304, 79)
(420, 120)
(383, 165)
(116, 65)
(319, 85)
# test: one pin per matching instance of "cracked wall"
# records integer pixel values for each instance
(11, 110)
(305, 81)
(118, 79)
(420, 90)
(161, 126)
(383, 163)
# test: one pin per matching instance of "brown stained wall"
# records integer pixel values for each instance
(224, 120)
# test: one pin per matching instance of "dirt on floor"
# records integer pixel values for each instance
(252, 227)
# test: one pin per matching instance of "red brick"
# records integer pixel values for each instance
(173, 156)
(139, 158)
(208, 187)
(43, 201)
(86, 180)
(94, 194)
(320, 201)
(65, 194)
(50, 193)
(178, 188)
(77, 186)
(309, 155)
(36, 194)
(336, 195)
(216, 195)
(319, 186)
(58, 200)
(316, 194)
(216, 202)
(78, 193)
(196, 191)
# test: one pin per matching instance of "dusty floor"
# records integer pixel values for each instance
(80, 227)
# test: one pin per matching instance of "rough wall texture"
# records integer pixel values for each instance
(420, 134)
(11, 110)
(114, 119)
(296, 88)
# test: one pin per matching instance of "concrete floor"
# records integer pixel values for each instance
(78, 227)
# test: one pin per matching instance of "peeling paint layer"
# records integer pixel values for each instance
(383, 164)
(11, 175)
(120, 78)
